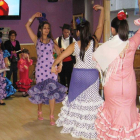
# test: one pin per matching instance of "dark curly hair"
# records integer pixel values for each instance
(12, 32)
(40, 27)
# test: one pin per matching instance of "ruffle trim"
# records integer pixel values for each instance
(10, 90)
(107, 131)
(24, 84)
(2, 88)
(77, 118)
(6, 54)
(47, 90)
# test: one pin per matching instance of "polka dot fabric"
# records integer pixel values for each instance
(47, 87)
(78, 116)
(87, 63)
(44, 61)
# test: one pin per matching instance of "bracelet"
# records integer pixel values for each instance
(30, 20)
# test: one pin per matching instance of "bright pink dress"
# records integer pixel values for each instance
(118, 118)
(24, 83)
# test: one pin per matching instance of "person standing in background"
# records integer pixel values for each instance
(63, 42)
(12, 45)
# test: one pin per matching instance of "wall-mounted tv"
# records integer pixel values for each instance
(10, 9)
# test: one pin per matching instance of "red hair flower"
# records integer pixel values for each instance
(122, 15)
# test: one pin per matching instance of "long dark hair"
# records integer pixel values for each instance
(40, 27)
(85, 37)
(121, 27)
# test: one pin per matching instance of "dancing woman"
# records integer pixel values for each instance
(118, 118)
(47, 90)
(79, 109)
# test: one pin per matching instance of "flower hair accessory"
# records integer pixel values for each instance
(43, 18)
(80, 20)
(122, 15)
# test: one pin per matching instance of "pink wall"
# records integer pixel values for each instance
(57, 13)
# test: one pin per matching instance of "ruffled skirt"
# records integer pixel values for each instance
(47, 90)
(107, 130)
(78, 116)
(2, 87)
(10, 90)
(24, 84)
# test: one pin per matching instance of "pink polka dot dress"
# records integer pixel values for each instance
(119, 118)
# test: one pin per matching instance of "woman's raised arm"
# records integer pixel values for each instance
(29, 30)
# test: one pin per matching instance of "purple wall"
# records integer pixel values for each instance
(57, 13)
(78, 7)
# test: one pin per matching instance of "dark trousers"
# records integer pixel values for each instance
(65, 75)
(13, 69)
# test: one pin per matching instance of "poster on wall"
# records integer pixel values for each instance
(9, 7)
(5, 33)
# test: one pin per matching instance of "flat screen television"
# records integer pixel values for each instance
(10, 9)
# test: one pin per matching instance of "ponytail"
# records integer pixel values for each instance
(121, 27)
(123, 30)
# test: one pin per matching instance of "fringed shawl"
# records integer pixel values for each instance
(106, 54)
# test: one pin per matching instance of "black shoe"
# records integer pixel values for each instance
(25, 95)
(2, 103)
(7, 97)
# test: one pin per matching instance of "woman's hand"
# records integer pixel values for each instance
(62, 49)
(38, 14)
(59, 68)
(54, 70)
(97, 7)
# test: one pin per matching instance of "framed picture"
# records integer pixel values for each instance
(74, 19)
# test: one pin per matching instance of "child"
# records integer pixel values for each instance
(23, 65)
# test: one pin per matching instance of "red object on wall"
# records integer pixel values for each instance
(4, 8)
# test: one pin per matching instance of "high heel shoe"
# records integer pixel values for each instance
(52, 117)
(40, 118)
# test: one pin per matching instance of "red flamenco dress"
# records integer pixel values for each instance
(24, 83)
